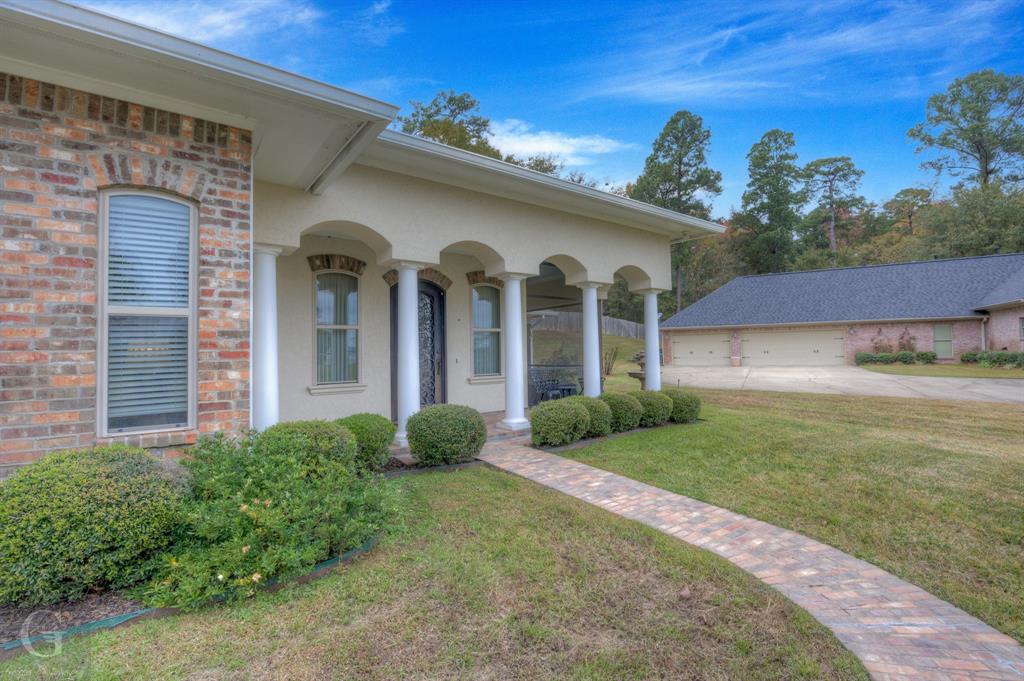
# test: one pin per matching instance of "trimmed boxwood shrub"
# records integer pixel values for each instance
(558, 422)
(311, 442)
(600, 415)
(685, 405)
(1001, 358)
(864, 358)
(969, 357)
(84, 520)
(373, 434)
(885, 358)
(904, 357)
(925, 357)
(446, 433)
(657, 407)
(626, 411)
(266, 507)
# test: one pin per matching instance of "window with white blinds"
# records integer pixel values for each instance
(337, 328)
(147, 338)
(486, 331)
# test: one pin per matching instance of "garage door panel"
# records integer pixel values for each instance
(793, 348)
(700, 349)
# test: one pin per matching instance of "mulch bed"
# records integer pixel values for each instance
(396, 467)
(23, 622)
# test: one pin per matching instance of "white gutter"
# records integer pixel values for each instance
(897, 320)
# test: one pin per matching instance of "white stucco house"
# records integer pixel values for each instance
(195, 242)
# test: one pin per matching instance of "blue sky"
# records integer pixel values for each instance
(594, 82)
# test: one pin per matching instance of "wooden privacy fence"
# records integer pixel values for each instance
(573, 321)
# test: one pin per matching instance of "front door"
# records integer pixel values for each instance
(430, 305)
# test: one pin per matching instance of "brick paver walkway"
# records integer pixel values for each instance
(899, 631)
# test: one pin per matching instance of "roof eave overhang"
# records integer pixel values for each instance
(1001, 306)
(104, 37)
(397, 152)
(894, 320)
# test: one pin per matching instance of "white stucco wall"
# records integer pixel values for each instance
(296, 345)
(407, 218)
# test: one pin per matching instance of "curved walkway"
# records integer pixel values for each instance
(899, 631)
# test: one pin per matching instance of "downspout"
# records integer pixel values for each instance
(984, 332)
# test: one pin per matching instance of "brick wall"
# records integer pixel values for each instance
(58, 149)
(860, 338)
(1004, 331)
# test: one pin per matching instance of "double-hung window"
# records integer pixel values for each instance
(148, 301)
(942, 343)
(337, 328)
(486, 331)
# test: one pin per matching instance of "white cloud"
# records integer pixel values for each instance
(786, 49)
(204, 21)
(233, 21)
(513, 136)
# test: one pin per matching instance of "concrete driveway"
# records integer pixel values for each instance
(846, 380)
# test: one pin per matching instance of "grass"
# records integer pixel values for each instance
(485, 576)
(945, 370)
(931, 491)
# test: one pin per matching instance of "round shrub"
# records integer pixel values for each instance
(446, 433)
(373, 434)
(314, 443)
(84, 520)
(600, 415)
(685, 405)
(657, 407)
(558, 422)
(626, 411)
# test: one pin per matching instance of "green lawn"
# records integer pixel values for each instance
(931, 491)
(490, 576)
(945, 370)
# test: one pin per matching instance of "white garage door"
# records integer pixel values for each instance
(700, 349)
(793, 348)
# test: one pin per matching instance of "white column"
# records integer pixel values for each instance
(515, 367)
(652, 354)
(591, 341)
(264, 387)
(408, 369)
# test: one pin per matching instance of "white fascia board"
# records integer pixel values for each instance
(416, 156)
(179, 52)
(835, 322)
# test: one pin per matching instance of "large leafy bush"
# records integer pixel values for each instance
(85, 520)
(626, 411)
(657, 407)
(558, 422)
(373, 434)
(445, 434)
(600, 415)
(269, 506)
(685, 405)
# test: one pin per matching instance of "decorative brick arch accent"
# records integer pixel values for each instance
(427, 273)
(132, 170)
(333, 261)
(478, 277)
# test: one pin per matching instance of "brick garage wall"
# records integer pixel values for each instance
(861, 337)
(1004, 330)
(58, 149)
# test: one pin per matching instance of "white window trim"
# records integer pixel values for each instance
(104, 311)
(334, 387)
(475, 377)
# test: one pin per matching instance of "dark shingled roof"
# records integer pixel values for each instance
(930, 289)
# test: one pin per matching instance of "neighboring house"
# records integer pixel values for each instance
(825, 317)
(194, 242)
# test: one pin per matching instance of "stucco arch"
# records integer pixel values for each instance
(636, 278)
(493, 262)
(343, 229)
(572, 268)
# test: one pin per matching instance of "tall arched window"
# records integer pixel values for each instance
(486, 331)
(337, 328)
(147, 321)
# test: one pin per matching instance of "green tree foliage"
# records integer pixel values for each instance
(977, 128)
(976, 221)
(676, 174)
(904, 207)
(763, 232)
(833, 181)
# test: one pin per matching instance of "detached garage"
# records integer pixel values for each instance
(826, 317)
